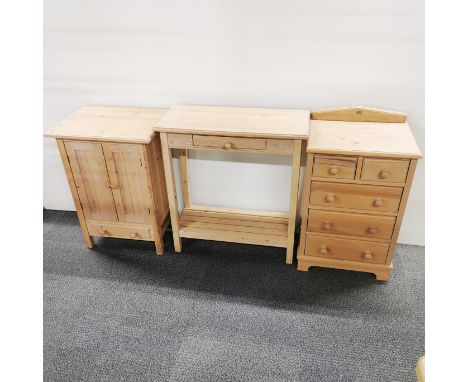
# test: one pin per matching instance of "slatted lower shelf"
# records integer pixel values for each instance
(234, 227)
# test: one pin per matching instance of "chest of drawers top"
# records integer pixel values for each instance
(355, 131)
(235, 121)
(109, 124)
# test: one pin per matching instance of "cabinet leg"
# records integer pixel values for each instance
(290, 254)
(177, 244)
(89, 241)
(302, 266)
(382, 276)
(159, 247)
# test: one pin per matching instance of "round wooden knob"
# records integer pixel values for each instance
(333, 170)
(378, 202)
(367, 255)
(103, 231)
(323, 250)
(330, 198)
(133, 235)
(227, 145)
(384, 174)
(372, 230)
(327, 225)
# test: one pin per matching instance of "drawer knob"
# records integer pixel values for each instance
(323, 250)
(327, 225)
(333, 170)
(133, 235)
(330, 198)
(372, 230)
(227, 145)
(367, 255)
(103, 232)
(384, 174)
(378, 202)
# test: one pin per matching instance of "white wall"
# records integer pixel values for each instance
(279, 54)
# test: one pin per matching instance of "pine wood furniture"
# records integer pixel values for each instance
(360, 166)
(112, 158)
(266, 131)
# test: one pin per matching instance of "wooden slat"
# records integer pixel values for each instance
(261, 215)
(234, 237)
(232, 228)
(237, 220)
(359, 114)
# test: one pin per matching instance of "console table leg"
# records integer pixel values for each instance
(171, 191)
(296, 168)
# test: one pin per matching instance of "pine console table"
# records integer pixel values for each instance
(265, 131)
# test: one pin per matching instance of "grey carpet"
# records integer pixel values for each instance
(221, 312)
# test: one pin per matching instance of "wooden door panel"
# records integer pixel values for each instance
(129, 182)
(92, 182)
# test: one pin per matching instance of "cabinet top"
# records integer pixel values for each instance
(235, 121)
(108, 123)
(361, 131)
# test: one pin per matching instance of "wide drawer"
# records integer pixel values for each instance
(119, 230)
(346, 249)
(229, 143)
(333, 166)
(384, 170)
(355, 196)
(343, 223)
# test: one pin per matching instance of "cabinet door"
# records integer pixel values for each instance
(126, 164)
(92, 182)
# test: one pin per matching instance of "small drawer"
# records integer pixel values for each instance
(331, 166)
(384, 170)
(119, 230)
(229, 143)
(180, 141)
(346, 249)
(343, 223)
(355, 196)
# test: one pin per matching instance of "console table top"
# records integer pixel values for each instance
(235, 121)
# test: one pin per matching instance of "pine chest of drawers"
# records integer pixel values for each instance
(360, 166)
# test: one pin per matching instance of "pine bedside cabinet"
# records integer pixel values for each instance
(112, 158)
(264, 131)
(360, 166)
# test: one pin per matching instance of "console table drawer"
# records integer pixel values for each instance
(333, 166)
(346, 249)
(119, 230)
(229, 143)
(355, 196)
(384, 170)
(342, 223)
